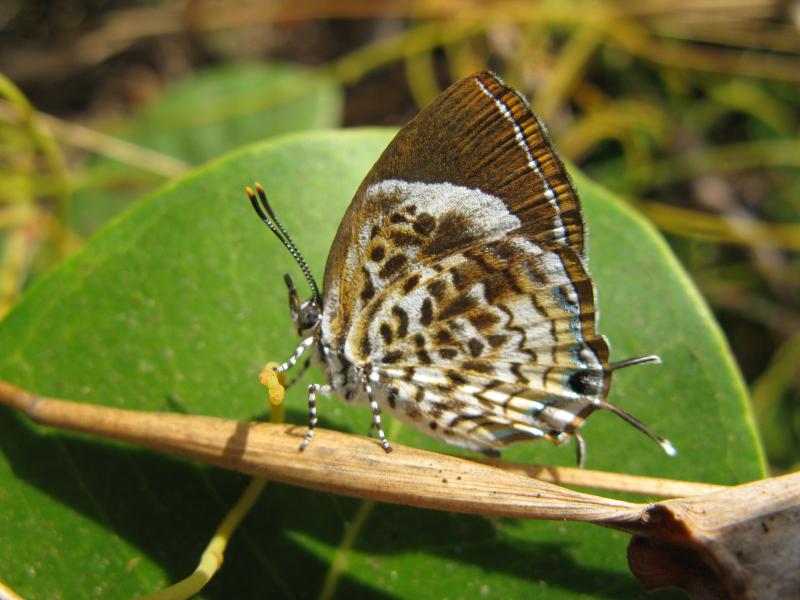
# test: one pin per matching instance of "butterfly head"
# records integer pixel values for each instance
(306, 315)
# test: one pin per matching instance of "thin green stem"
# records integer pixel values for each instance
(342, 557)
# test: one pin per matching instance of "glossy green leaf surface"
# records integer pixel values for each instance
(180, 302)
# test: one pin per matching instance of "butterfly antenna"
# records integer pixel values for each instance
(275, 226)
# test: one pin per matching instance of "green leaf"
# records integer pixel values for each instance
(178, 304)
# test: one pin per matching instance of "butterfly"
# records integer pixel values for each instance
(456, 294)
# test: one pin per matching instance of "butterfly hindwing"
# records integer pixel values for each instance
(488, 345)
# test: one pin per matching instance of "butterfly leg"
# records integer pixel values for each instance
(376, 418)
(490, 452)
(313, 390)
(580, 449)
(299, 374)
(298, 352)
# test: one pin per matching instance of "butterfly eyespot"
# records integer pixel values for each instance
(424, 224)
(368, 291)
(437, 289)
(582, 383)
(444, 338)
(378, 253)
(386, 333)
(410, 284)
(402, 318)
(391, 357)
(423, 357)
(393, 266)
(475, 347)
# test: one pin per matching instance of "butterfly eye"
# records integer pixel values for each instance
(308, 316)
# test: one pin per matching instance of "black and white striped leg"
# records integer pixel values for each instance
(376, 418)
(298, 352)
(313, 390)
(299, 374)
(580, 449)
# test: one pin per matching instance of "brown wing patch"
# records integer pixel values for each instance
(486, 138)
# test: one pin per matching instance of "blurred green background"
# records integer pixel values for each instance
(689, 110)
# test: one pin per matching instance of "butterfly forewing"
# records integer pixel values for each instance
(478, 135)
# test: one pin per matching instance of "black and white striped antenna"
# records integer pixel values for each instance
(263, 209)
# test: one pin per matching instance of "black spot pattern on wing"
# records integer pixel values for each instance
(470, 355)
